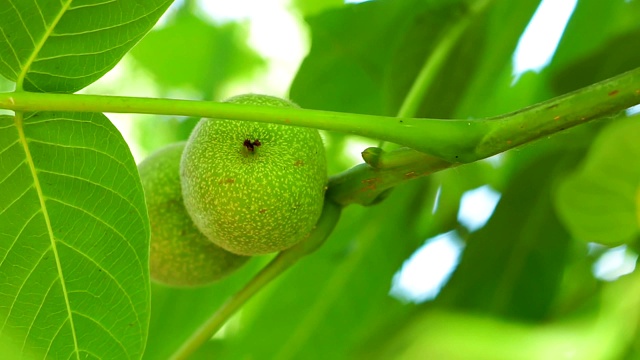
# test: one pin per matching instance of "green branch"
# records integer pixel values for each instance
(437, 133)
(593, 102)
(366, 183)
(282, 262)
(447, 142)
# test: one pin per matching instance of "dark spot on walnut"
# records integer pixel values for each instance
(251, 145)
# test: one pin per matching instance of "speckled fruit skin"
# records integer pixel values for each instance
(180, 254)
(254, 201)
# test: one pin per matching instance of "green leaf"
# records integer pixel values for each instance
(587, 53)
(62, 46)
(177, 313)
(602, 39)
(487, 50)
(332, 299)
(347, 69)
(213, 54)
(312, 7)
(513, 266)
(74, 239)
(598, 332)
(601, 201)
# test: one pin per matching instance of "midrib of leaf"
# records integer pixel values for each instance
(38, 47)
(36, 183)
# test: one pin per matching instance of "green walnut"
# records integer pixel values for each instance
(180, 254)
(254, 188)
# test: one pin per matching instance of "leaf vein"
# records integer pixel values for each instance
(53, 338)
(15, 239)
(8, 146)
(10, 123)
(19, 16)
(81, 148)
(106, 330)
(37, 313)
(91, 5)
(11, 173)
(26, 280)
(59, 56)
(107, 272)
(16, 199)
(15, 54)
(102, 28)
(96, 184)
(36, 184)
(104, 223)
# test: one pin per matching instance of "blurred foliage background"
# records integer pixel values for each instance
(433, 271)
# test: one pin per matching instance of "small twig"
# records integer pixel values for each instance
(281, 263)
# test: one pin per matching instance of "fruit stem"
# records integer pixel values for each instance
(283, 261)
(364, 183)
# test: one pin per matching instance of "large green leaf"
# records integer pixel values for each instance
(347, 69)
(513, 266)
(600, 202)
(489, 90)
(62, 46)
(74, 240)
(601, 40)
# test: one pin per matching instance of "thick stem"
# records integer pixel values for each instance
(402, 131)
(447, 142)
(364, 183)
(593, 102)
(456, 141)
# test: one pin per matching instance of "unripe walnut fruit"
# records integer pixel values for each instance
(180, 255)
(254, 188)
